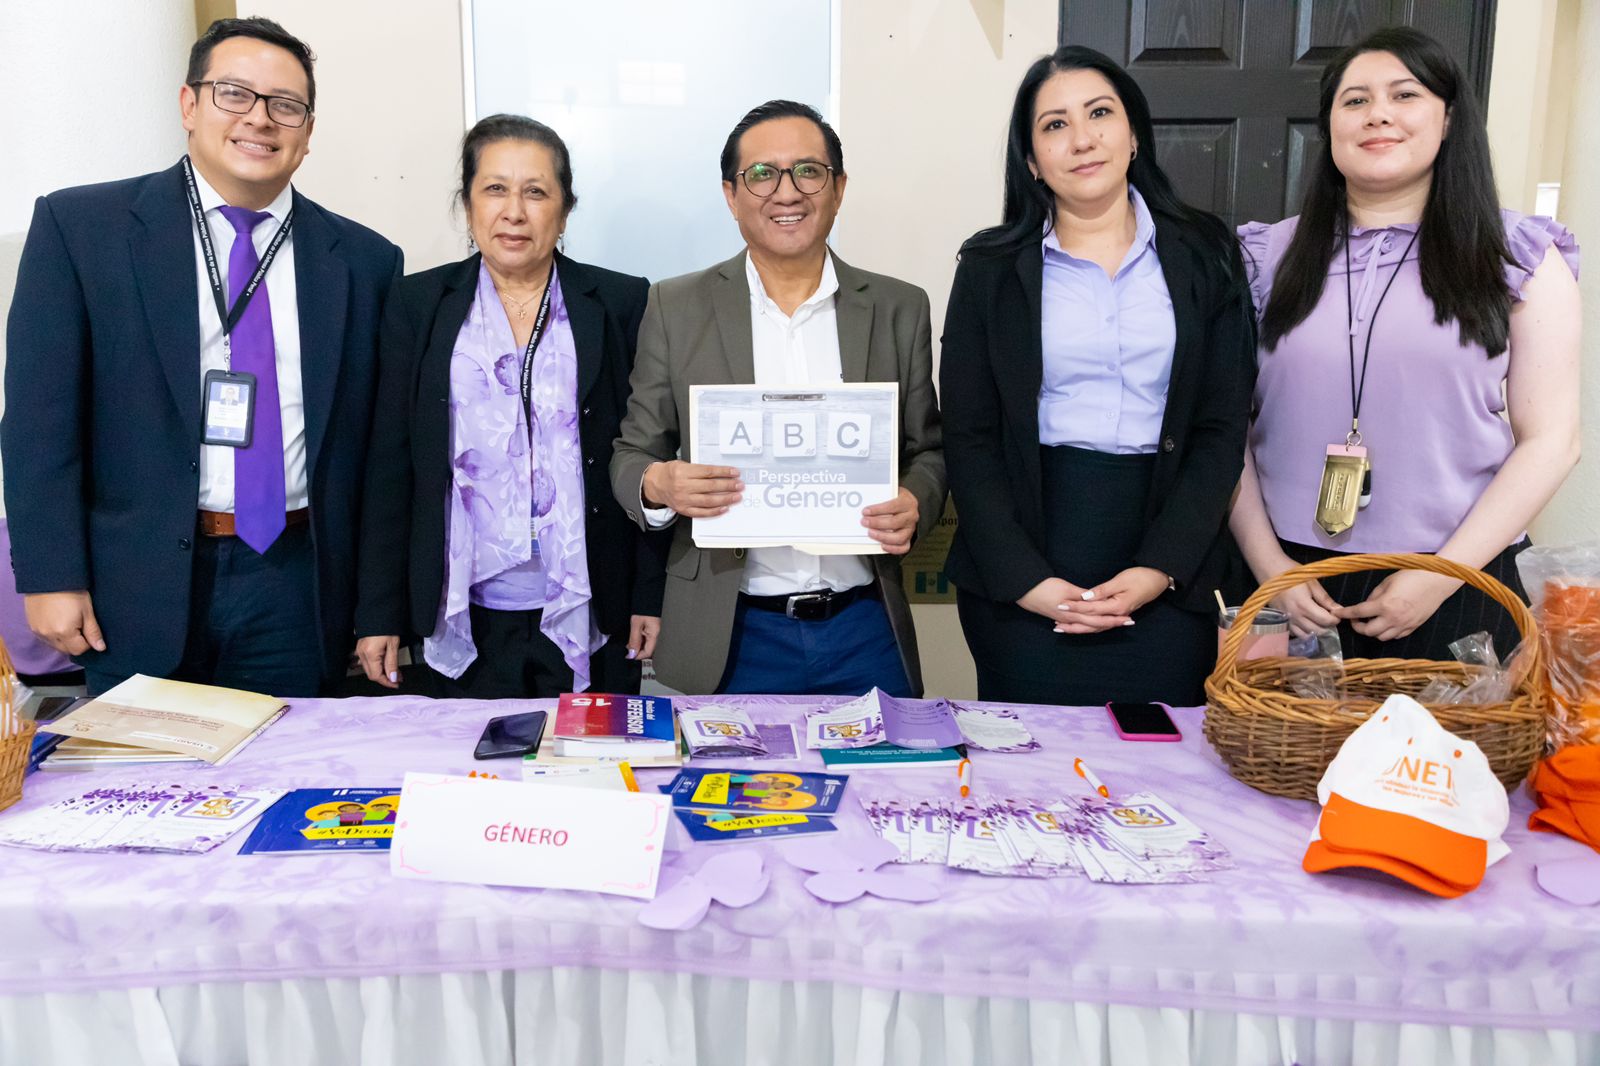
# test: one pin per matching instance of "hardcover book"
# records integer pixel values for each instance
(604, 726)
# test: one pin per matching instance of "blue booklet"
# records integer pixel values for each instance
(716, 827)
(757, 791)
(311, 820)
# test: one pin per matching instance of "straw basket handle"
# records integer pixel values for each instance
(1228, 658)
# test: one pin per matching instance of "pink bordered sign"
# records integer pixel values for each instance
(492, 832)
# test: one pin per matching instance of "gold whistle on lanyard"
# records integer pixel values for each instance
(1344, 471)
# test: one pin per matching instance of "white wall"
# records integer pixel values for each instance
(52, 138)
(1575, 512)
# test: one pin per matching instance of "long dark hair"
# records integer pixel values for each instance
(1461, 243)
(1030, 204)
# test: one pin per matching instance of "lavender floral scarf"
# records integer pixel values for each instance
(496, 489)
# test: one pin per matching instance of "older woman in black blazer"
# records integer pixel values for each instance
(488, 526)
(1095, 381)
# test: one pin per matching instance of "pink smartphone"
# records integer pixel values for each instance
(1143, 721)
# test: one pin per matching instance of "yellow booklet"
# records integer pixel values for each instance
(197, 721)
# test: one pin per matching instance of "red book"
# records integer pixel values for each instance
(610, 726)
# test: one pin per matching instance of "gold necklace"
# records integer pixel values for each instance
(520, 307)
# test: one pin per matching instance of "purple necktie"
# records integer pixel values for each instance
(258, 494)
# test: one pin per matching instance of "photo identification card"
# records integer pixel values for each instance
(810, 457)
(229, 416)
(491, 832)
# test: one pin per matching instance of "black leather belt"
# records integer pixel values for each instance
(808, 606)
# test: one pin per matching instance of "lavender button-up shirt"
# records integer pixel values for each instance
(1107, 345)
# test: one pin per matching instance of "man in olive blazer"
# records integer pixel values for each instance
(722, 626)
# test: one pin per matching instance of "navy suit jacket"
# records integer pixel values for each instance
(101, 434)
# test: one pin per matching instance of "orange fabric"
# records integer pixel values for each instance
(1568, 787)
(1417, 851)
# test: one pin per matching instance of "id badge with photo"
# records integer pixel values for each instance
(229, 415)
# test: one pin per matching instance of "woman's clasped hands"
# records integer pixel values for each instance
(1077, 610)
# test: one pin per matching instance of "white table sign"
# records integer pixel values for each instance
(492, 832)
(810, 458)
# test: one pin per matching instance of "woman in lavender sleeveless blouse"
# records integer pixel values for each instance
(489, 529)
(1451, 324)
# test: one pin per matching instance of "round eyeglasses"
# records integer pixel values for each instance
(239, 100)
(762, 179)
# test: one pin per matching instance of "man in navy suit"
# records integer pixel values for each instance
(189, 385)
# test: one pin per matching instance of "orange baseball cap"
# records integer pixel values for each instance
(1408, 798)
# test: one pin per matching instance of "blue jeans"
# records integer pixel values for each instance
(845, 655)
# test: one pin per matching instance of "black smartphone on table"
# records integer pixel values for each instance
(511, 734)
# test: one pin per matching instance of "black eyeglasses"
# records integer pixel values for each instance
(762, 179)
(284, 110)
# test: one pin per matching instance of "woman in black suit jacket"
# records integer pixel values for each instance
(488, 528)
(1095, 407)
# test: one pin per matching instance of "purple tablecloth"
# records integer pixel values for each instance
(1264, 938)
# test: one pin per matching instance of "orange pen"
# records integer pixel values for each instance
(964, 775)
(1087, 774)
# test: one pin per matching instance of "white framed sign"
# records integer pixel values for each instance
(810, 457)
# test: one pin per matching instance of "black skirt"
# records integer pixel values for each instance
(1094, 521)
(1467, 610)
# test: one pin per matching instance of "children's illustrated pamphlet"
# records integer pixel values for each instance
(310, 820)
(747, 791)
(716, 827)
(142, 817)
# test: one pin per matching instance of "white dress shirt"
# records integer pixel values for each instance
(216, 460)
(792, 350)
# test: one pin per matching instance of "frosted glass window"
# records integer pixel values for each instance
(644, 93)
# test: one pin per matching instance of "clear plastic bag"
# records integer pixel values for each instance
(1323, 677)
(1494, 682)
(1563, 583)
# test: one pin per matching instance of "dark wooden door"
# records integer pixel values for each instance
(1233, 83)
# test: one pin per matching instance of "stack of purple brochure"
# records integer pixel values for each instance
(1139, 840)
(173, 818)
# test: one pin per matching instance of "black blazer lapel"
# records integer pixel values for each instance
(1020, 386)
(164, 271)
(587, 316)
(322, 289)
(1178, 267)
(431, 423)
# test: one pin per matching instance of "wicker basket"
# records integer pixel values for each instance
(1279, 742)
(14, 749)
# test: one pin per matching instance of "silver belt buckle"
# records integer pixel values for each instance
(800, 598)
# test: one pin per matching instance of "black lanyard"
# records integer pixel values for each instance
(533, 344)
(1358, 391)
(229, 319)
